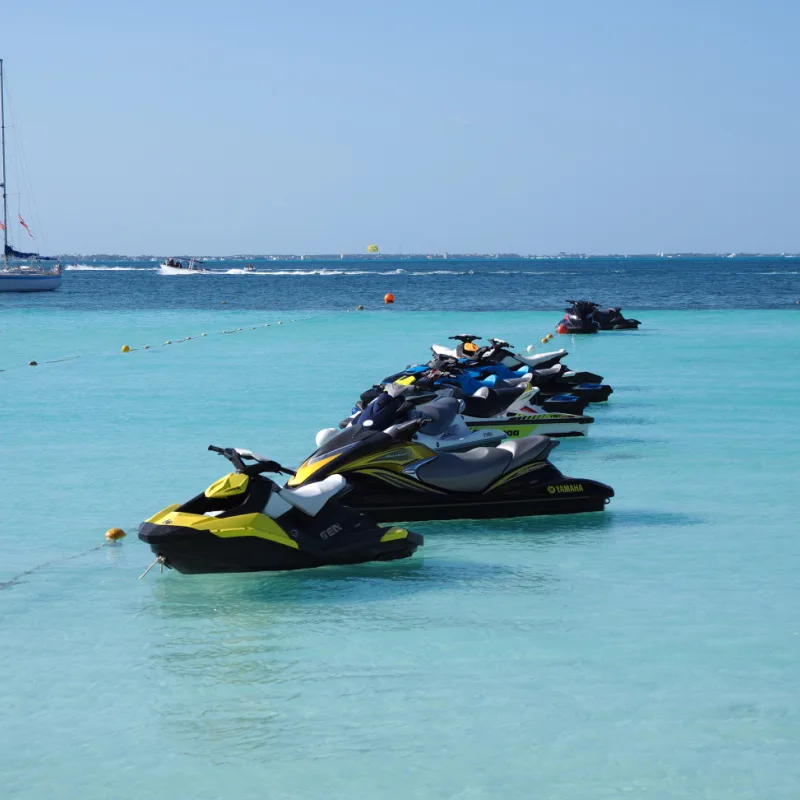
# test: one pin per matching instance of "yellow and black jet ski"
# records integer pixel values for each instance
(245, 522)
(394, 478)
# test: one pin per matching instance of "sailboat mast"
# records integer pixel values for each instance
(3, 150)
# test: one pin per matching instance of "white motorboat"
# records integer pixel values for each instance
(174, 266)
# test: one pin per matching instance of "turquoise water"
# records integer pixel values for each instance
(648, 651)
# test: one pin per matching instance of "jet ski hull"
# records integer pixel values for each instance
(590, 392)
(584, 329)
(568, 496)
(521, 425)
(626, 325)
(562, 403)
(192, 551)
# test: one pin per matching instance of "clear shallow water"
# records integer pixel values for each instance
(650, 650)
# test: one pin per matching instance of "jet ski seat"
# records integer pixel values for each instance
(550, 372)
(515, 382)
(440, 413)
(440, 350)
(472, 471)
(527, 449)
(487, 402)
(311, 497)
(476, 469)
(532, 361)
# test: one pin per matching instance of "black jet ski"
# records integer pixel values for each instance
(579, 318)
(245, 522)
(611, 319)
(487, 402)
(394, 478)
(452, 427)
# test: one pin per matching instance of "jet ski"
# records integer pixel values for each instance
(394, 478)
(541, 366)
(493, 407)
(245, 522)
(551, 382)
(493, 354)
(611, 319)
(460, 423)
(444, 428)
(497, 361)
(579, 318)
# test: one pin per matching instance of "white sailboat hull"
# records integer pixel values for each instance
(29, 283)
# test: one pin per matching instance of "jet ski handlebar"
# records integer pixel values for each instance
(500, 343)
(464, 337)
(237, 456)
(405, 430)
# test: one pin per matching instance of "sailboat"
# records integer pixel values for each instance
(16, 275)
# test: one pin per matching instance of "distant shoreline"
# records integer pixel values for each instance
(424, 257)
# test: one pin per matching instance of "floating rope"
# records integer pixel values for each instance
(149, 347)
(17, 579)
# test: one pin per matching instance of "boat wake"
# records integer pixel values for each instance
(336, 272)
(89, 268)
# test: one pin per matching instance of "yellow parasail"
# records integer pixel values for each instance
(372, 248)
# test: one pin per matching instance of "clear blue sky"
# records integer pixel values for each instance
(166, 126)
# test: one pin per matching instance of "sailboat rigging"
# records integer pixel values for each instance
(19, 277)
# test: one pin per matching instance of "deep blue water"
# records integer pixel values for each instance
(543, 284)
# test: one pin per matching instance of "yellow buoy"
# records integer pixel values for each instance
(168, 342)
(125, 349)
(112, 534)
(545, 340)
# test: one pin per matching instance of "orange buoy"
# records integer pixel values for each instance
(388, 298)
(562, 329)
(113, 534)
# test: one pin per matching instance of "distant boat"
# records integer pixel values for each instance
(174, 266)
(16, 275)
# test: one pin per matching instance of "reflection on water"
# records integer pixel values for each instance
(245, 662)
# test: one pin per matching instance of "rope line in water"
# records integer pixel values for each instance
(17, 579)
(167, 343)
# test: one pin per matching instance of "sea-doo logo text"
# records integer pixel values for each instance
(332, 531)
(511, 432)
(567, 488)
